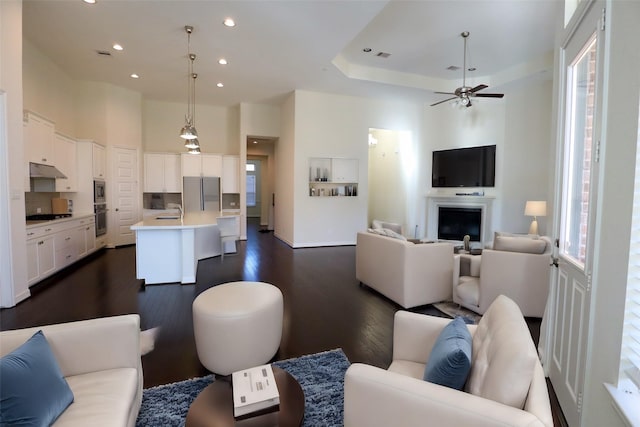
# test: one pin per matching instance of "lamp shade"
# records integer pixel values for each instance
(535, 208)
(188, 132)
(192, 143)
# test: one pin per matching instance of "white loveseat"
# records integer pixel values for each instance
(407, 273)
(506, 385)
(100, 359)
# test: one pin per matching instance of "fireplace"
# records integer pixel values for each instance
(456, 222)
(460, 215)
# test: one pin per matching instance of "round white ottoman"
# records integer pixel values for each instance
(237, 325)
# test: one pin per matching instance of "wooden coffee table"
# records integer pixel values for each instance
(214, 405)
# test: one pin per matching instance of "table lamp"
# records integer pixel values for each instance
(535, 208)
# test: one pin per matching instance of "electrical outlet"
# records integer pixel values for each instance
(38, 210)
(232, 203)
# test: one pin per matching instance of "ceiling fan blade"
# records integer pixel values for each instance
(478, 88)
(445, 93)
(444, 100)
(489, 95)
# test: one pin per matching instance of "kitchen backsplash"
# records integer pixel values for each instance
(34, 201)
(160, 200)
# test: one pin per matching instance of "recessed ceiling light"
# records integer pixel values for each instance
(220, 84)
(117, 46)
(255, 142)
(229, 22)
(135, 76)
(366, 49)
(89, 1)
(222, 61)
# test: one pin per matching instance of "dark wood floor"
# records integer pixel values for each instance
(324, 305)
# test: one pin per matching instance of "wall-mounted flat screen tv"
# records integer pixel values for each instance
(464, 167)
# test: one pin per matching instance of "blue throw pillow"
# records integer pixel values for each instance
(450, 359)
(33, 391)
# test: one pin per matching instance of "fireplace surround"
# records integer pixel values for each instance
(477, 209)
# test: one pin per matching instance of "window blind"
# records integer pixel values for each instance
(630, 356)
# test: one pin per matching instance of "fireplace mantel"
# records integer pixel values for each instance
(434, 201)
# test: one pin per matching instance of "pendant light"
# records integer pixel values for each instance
(189, 131)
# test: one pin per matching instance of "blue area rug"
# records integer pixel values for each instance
(320, 375)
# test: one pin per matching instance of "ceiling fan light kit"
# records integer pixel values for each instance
(464, 93)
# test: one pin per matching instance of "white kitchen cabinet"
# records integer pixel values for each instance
(40, 252)
(230, 174)
(85, 238)
(201, 165)
(57, 244)
(99, 158)
(64, 158)
(65, 244)
(211, 164)
(38, 139)
(162, 173)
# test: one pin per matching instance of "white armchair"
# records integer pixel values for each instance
(504, 366)
(517, 266)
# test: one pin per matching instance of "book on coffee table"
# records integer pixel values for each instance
(254, 390)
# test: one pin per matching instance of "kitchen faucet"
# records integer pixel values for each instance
(176, 206)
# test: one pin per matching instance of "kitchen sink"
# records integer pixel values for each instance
(168, 217)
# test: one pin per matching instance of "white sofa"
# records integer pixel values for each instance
(407, 273)
(517, 266)
(506, 385)
(100, 359)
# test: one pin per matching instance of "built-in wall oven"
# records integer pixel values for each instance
(99, 195)
(100, 210)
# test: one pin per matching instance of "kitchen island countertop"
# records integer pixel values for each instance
(188, 220)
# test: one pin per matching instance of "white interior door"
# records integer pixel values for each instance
(125, 195)
(576, 194)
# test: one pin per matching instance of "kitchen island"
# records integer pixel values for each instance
(168, 247)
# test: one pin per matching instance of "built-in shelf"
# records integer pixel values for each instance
(333, 177)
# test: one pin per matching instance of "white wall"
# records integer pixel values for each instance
(519, 125)
(527, 148)
(284, 177)
(13, 275)
(217, 127)
(328, 125)
(47, 89)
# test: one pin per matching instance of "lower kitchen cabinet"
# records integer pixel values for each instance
(55, 245)
(41, 258)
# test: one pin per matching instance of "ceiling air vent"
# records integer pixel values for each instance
(103, 52)
(383, 54)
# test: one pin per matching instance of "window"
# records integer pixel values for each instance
(630, 356)
(251, 190)
(581, 82)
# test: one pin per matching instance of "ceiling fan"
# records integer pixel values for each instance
(465, 93)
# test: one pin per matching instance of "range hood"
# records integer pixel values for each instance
(38, 170)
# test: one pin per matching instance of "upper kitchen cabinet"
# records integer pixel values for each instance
(38, 138)
(162, 173)
(99, 157)
(230, 174)
(201, 165)
(64, 158)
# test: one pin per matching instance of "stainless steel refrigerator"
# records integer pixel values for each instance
(201, 194)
